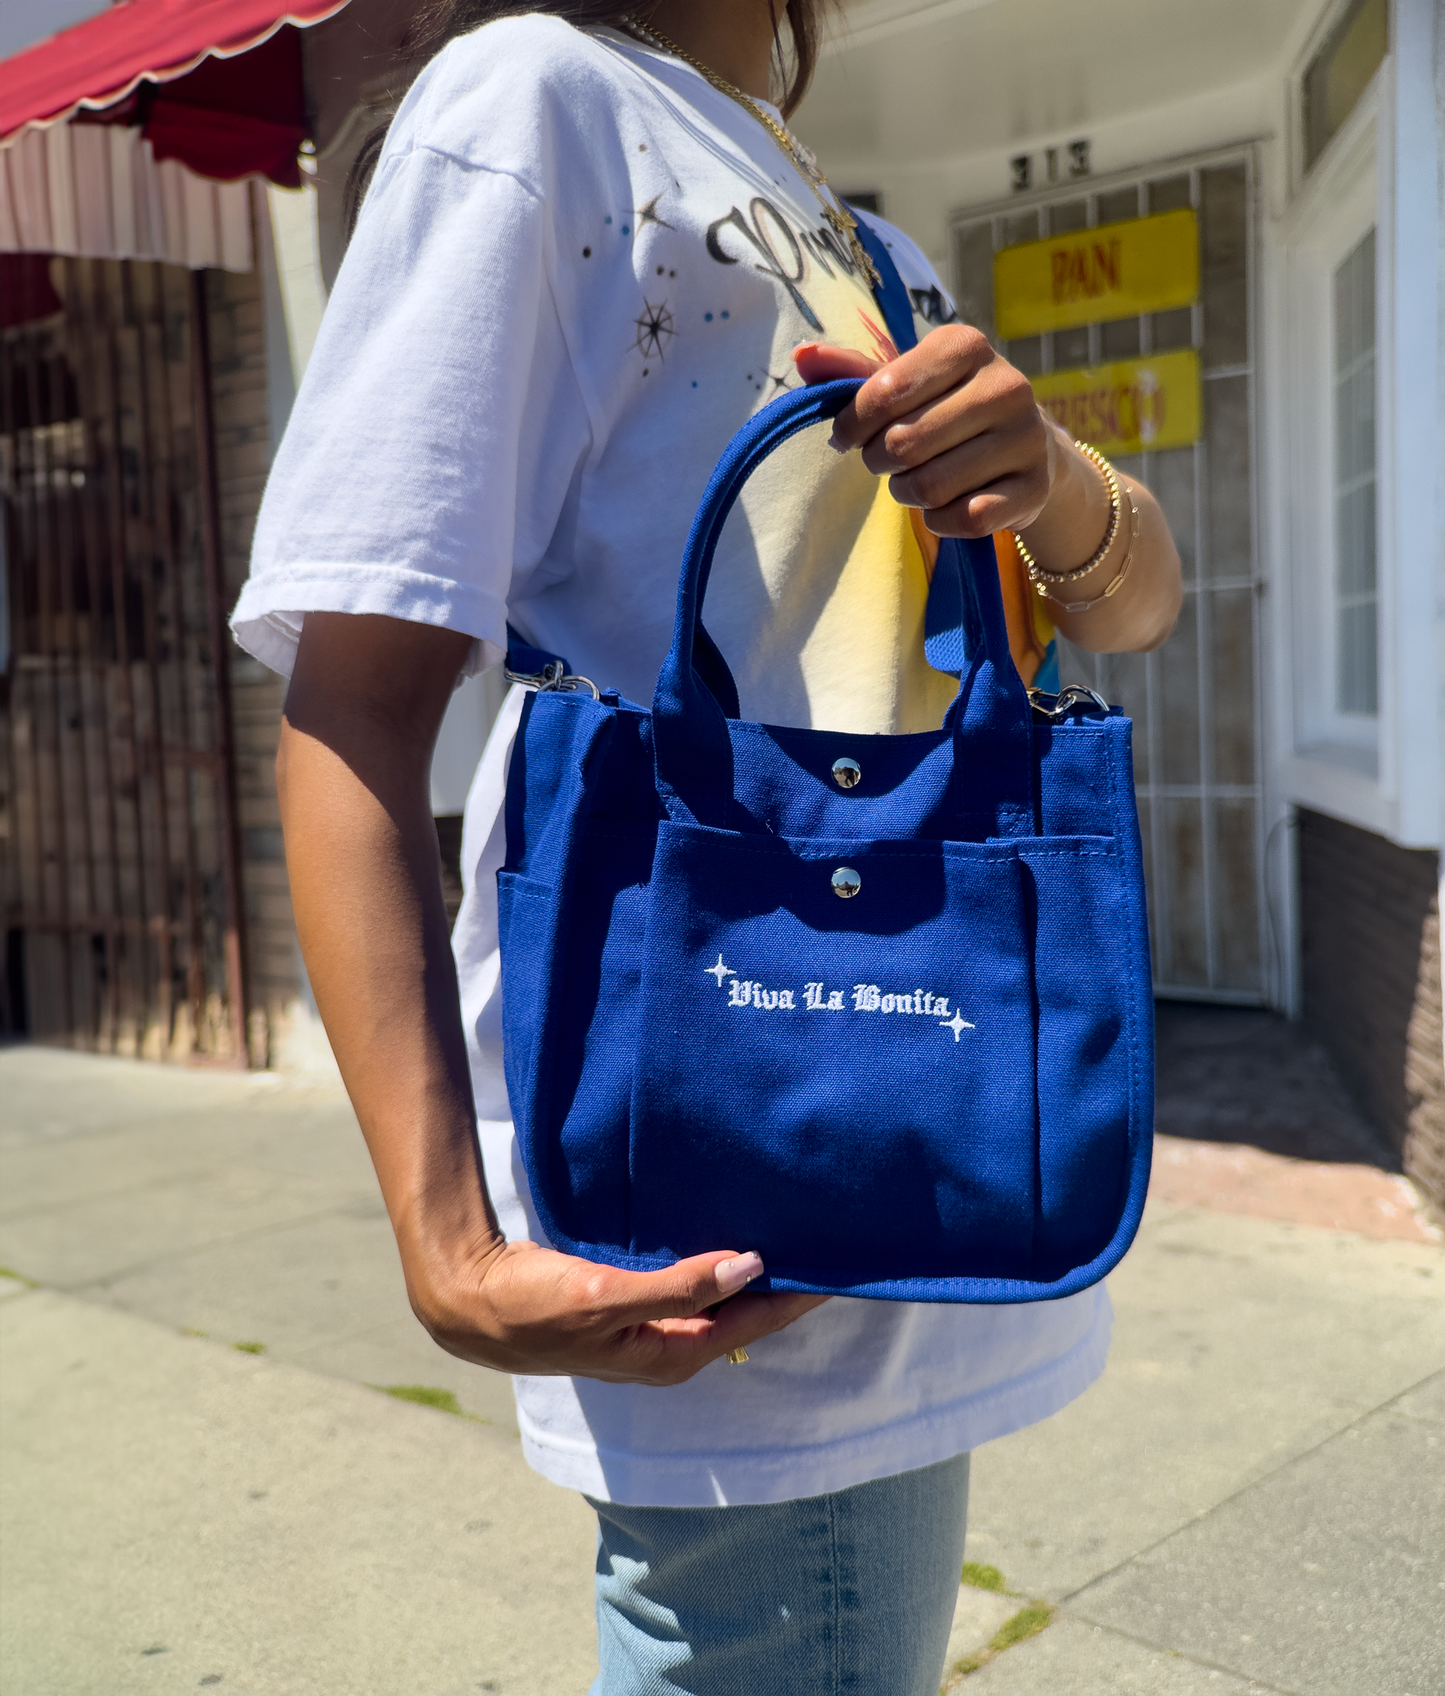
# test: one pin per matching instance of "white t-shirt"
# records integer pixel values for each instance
(578, 270)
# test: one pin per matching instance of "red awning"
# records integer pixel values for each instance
(101, 61)
(229, 118)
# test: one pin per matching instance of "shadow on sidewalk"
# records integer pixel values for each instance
(1240, 1075)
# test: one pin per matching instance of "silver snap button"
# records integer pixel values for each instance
(846, 772)
(846, 883)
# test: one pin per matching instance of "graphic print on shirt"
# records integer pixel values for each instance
(818, 280)
(808, 263)
(654, 329)
(711, 261)
(881, 584)
(650, 215)
(760, 227)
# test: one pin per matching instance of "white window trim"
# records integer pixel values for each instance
(1324, 26)
(1341, 763)
(1343, 204)
(1403, 799)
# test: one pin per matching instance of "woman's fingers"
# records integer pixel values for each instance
(954, 426)
(818, 363)
(676, 1292)
(943, 361)
(669, 1351)
(997, 402)
(535, 1311)
(682, 1326)
(1001, 468)
(1011, 503)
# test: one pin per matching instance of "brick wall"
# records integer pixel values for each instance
(1370, 920)
(243, 453)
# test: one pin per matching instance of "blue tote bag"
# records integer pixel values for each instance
(878, 1007)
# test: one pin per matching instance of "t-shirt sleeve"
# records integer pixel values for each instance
(439, 424)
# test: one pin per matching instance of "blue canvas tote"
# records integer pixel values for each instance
(877, 1007)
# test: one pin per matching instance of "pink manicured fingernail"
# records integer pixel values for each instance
(836, 445)
(734, 1275)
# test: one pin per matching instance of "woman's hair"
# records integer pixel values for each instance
(449, 18)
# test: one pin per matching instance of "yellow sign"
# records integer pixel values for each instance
(1115, 271)
(1135, 406)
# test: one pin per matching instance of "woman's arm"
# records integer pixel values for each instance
(956, 429)
(365, 703)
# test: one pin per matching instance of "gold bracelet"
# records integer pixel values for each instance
(1037, 575)
(1117, 581)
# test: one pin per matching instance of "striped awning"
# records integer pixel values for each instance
(97, 191)
(133, 135)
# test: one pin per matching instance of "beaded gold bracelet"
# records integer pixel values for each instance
(1040, 578)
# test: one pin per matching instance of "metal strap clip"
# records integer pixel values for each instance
(552, 676)
(1075, 698)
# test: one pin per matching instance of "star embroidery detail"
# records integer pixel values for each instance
(777, 382)
(648, 214)
(653, 327)
(719, 971)
(957, 1024)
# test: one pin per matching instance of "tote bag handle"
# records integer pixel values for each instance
(691, 747)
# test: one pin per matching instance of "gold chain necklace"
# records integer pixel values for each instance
(841, 220)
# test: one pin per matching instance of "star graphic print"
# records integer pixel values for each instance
(654, 327)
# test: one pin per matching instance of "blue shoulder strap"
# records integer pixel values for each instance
(891, 295)
(526, 661)
(527, 664)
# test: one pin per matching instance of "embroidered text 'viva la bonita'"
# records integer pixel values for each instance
(866, 998)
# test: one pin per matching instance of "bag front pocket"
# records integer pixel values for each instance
(840, 1078)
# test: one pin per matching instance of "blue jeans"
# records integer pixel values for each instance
(852, 1592)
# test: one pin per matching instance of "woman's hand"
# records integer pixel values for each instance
(957, 432)
(522, 1308)
(366, 698)
(954, 428)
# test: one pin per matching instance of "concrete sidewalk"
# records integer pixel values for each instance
(1252, 1499)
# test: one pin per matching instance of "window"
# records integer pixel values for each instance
(1340, 72)
(1356, 645)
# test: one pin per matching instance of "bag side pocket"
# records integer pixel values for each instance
(524, 933)
(570, 991)
(1083, 952)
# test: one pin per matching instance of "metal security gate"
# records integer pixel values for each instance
(120, 893)
(1195, 701)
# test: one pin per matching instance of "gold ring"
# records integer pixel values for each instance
(737, 1356)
